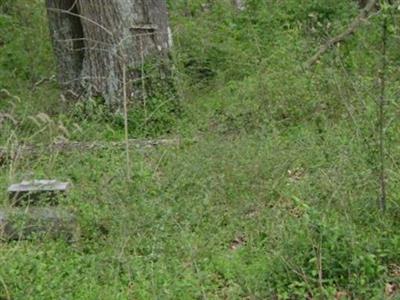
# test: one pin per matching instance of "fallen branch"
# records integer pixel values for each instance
(68, 146)
(365, 12)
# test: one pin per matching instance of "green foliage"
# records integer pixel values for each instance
(25, 54)
(271, 193)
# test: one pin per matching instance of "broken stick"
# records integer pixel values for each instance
(365, 12)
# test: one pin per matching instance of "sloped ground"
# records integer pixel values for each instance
(271, 193)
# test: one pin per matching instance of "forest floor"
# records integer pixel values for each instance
(270, 193)
(224, 213)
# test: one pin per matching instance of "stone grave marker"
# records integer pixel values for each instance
(53, 222)
(34, 212)
(32, 192)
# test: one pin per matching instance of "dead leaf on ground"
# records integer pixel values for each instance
(296, 174)
(394, 270)
(287, 205)
(391, 289)
(254, 212)
(341, 295)
(237, 243)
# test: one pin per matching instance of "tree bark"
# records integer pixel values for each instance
(67, 36)
(94, 39)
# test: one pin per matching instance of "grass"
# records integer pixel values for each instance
(272, 192)
(170, 233)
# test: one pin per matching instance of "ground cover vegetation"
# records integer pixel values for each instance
(273, 189)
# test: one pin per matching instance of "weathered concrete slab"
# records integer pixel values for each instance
(37, 192)
(35, 222)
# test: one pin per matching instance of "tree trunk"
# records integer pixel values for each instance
(95, 39)
(67, 36)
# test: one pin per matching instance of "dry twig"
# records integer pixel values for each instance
(358, 21)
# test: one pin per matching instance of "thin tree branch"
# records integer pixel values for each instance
(358, 21)
(83, 18)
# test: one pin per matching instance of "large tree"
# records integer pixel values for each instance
(96, 40)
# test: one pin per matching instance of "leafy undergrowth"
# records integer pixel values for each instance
(254, 216)
(271, 193)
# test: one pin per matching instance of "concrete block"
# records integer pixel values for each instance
(37, 192)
